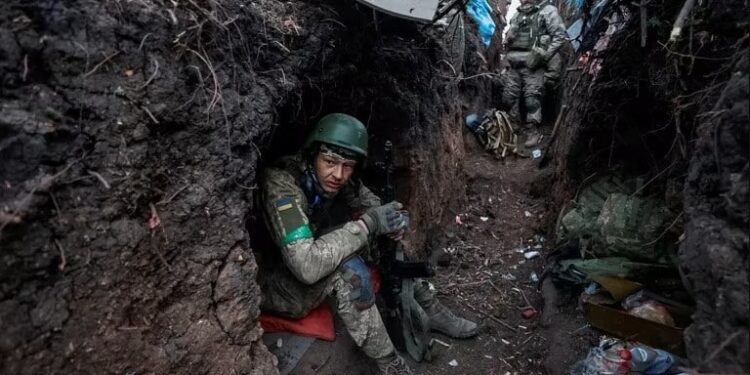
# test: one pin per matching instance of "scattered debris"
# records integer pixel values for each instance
(614, 356)
(441, 342)
(154, 221)
(508, 276)
(534, 277)
(531, 254)
(653, 311)
(529, 313)
(453, 363)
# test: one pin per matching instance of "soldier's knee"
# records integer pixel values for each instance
(361, 291)
(533, 90)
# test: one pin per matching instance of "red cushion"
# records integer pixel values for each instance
(318, 323)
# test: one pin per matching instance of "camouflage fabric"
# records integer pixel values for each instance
(312, 243)
(521, 81)
(610, 221)
(308, 258)
(553, 72)
(365, 326)
(309, 269)
(530, 23)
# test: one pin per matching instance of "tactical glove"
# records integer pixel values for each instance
(385, 219)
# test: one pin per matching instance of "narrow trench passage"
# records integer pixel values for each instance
(132, 140)
(485, 274)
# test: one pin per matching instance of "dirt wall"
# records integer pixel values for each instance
(130, 138)
(714, 255)
(672, 115)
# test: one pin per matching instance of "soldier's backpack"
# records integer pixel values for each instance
(494, 132)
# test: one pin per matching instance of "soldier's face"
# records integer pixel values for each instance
(333, 172)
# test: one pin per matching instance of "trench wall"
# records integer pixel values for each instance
(131, 134)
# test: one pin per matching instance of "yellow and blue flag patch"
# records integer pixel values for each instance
(293, 223)
(284, 204)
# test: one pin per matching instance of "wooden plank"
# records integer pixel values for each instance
(623, 325)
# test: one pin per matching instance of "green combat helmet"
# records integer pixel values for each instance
(340, 130)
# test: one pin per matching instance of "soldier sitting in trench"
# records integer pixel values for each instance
(309, 201)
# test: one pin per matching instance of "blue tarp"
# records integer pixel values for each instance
(481, 12)
(575, 29)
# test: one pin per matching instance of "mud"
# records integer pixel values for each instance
(675, 122)
(714, 255)
(130, 136)
(111, 117)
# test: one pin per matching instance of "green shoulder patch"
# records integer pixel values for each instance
(293, 222)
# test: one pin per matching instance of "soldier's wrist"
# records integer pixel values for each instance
(363, 224)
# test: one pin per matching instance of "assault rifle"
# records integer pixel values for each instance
(406, 322)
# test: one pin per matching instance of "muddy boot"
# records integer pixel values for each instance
(393, 364)
(446, 322)
(533, 136)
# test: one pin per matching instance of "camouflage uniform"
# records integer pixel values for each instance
(314, 239)
(533, 28)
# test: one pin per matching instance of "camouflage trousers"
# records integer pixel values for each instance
(286, 296)
(553, 72)
(521, 82)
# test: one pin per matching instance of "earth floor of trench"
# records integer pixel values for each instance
(485, 276)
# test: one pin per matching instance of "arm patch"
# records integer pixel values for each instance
(294, 227)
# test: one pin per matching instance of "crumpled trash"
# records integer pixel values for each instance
(653, 311)
(508, 276)
(642, 307)
(529, 313)
(647, 360)
(614, 356)
(531, 254)
(607, 358)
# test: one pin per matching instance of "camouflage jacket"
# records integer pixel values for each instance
(312, 237)
(531, 23)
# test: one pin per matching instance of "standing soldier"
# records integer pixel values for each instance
(535, 35)
(322, 220)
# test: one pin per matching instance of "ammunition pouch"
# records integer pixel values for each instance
(536, 59)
